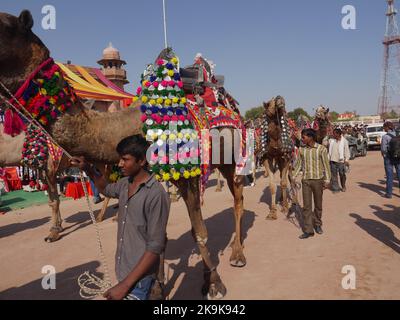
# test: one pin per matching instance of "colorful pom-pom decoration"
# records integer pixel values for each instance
(166, 123)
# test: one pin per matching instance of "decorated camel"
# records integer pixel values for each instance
(10, 155)
(322, 125)
(276, 150)
(26, 67)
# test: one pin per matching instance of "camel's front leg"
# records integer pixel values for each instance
(272, 187)
(213, 287)
(284, 187)
(219, 184)
(157, 291)
(54, 203)
(235, 184)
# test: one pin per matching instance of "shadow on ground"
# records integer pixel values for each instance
(377, 189)
(379, 230)
(11, 229)
(220, 230)
(67, 287)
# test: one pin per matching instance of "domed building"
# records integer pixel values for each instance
(100, 89)
(112, 66)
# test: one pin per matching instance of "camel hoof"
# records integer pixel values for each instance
(157, 292)
(53, 237)
(285, 210)
(216, 291)
(238, 261)
(272, 216)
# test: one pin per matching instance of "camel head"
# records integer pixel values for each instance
(322, 113)
(166, 54)
(275, 108)
(21, 51)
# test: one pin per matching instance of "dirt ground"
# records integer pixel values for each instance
(361, 230)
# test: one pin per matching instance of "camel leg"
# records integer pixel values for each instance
(54, 203)
(106, 172)
(219, 186)
(284, 171)
(100, 216)
(157, 291)
(213, 287)
(266, 173)
(273, 210)
(174, 194)
(254, 173)
(235, 184)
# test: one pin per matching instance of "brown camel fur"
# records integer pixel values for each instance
(274, 158)
(95, 136)
(322, 125)
(10, 149)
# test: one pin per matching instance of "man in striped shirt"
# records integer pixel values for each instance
(313, 161)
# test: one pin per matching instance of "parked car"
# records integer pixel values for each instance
(358, 146)
(375, 133)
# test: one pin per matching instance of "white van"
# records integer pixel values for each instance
(375, 133)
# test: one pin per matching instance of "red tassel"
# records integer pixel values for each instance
(8, 115)
(18, 124)
(13, 124)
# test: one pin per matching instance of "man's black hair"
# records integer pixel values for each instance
(388, 125)
(135, 146)
(338, 131)
(310, 133)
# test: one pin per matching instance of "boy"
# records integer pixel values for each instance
(142, 219)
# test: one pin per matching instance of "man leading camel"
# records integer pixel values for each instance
(142, 220)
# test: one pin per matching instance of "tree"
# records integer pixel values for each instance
(334, 116)
(393, 114)
(298, 112)
(254, 113)
(389, 115)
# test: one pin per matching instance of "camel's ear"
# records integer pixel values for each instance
(25, 20)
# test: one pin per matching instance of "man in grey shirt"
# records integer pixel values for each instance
(142, 220)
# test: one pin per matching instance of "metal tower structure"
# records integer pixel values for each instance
(390, 86)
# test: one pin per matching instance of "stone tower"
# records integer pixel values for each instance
(112, 66)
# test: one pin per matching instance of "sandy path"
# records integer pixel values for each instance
(361, 229)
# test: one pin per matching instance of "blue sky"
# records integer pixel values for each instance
(264, 48)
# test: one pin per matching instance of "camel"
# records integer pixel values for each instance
(322, 125)
(95, 136)
(276, 151)
(10, 156)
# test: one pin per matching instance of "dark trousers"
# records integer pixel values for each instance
(312, 189)
(338, 168)
(389, 165)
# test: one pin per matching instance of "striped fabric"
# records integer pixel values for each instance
(314, 162)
